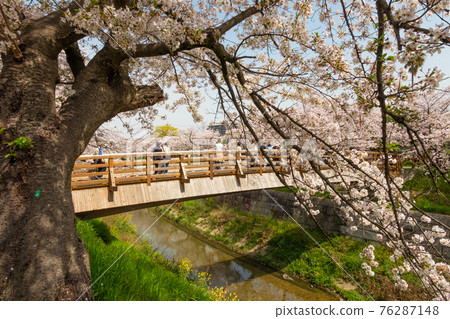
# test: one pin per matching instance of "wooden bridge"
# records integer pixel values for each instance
(109, 184)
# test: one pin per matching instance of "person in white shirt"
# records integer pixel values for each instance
(254, 152)
(219, 154)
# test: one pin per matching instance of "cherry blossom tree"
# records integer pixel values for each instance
(337, 72)
(113, 142)
(193, 139)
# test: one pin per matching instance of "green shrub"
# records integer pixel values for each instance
(426, 195)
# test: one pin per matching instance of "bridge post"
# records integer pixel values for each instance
(399, 163)
(239, 171)
(148, 166)
(111, 179)
(211, 165)
(284, 166)
(260, 163)
(183, 173)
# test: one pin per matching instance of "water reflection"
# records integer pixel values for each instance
(248, 282)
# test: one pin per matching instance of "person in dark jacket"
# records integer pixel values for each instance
(99, 161)
(157, 149)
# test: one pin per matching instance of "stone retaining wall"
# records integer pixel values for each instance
(276, 204)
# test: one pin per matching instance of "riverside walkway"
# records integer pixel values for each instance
(110, 184)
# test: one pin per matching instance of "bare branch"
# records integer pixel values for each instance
(213, 36)
(397, 25)
(74, 59)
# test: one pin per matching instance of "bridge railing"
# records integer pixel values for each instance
(119, 169)
(394, 160)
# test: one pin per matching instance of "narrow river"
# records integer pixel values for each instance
(226, 268)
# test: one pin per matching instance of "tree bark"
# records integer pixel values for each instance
(41, 256)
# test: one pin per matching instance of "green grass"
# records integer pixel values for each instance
(425, 194)
(235, 223)
(285, 189)
(317, 266)
(140, 274)
(294, 251)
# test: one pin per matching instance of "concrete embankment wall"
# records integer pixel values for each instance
(274, 204)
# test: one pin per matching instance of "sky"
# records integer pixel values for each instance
(180, 119)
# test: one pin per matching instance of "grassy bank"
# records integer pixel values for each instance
(282, 244)
(429, 196)
(141, 273)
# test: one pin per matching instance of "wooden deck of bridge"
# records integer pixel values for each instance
(110, 184)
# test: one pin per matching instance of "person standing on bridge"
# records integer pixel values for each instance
(167, 156)
(158, 149)
(99, 161)
(254, 151)
(219, 153)
(239, 150)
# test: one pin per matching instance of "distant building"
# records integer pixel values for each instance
(220, 128)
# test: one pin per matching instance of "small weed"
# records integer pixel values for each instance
(122, 224)
(21, 143)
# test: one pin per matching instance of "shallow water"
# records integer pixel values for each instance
(227, 270)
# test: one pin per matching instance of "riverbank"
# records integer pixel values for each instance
(229, 269)
(429, 195)
(283, 245)
(121, 271)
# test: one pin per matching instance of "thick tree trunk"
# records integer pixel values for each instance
(41, 256)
